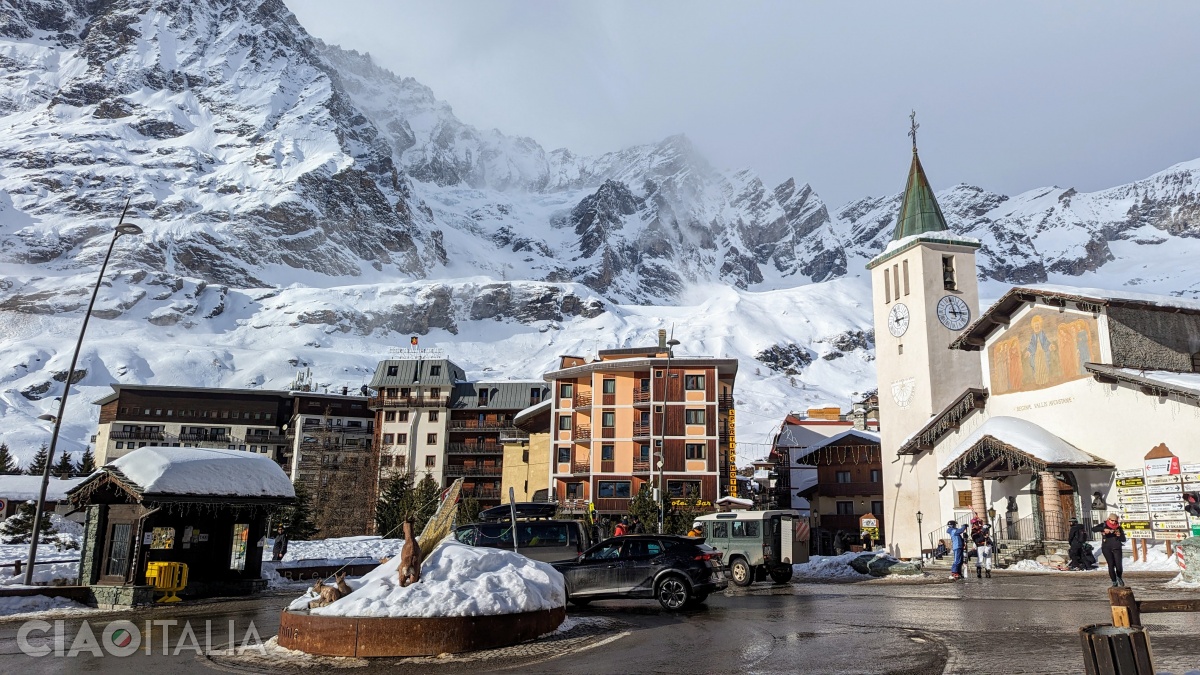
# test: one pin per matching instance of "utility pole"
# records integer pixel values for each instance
(662, 450)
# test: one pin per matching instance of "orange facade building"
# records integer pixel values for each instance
(613, 417)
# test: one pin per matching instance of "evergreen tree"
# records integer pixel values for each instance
(682, 512)
(19, 527)
(425, 502)
(297, 519)
(8, 465)
(645, 509)
(468, 510)
(38, 465)
(87, 463)
(64, 467)
(395, 503)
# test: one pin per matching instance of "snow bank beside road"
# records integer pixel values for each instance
(830, 567)
(36, 603)
(339, 551)
(456, 580)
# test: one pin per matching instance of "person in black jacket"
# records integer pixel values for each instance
(1114, 539)
(1076, 539)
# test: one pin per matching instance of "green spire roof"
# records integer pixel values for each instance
(919, 212)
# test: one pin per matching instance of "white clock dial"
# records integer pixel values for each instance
(898, 319)
(953, 312)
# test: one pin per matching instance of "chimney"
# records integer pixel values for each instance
(345, 390)
(662, 339)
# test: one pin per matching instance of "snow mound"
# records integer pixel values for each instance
(1180, 582)
(456, 580)
(337, 551)
(203, 471)
(830, 567)
(35, 603)
(1156, 560)
(1032, 566)
(53, 574)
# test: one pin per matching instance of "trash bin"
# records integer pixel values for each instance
(1115, 650)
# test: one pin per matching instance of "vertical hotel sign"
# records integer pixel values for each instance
(732, 455)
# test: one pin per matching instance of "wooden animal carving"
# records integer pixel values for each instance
(325, 595)
(342, 586)
(410, 557)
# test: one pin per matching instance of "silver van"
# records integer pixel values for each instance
(756, 544)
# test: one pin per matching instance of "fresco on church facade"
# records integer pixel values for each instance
(1045, 348)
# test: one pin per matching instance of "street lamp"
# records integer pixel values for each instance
(992, 519)
(122, 228)
(920, 516)
(662, 436)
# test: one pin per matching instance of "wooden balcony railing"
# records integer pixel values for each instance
(475, 448)
(641, 395)
(408, 401)
(641, 430)
(455, 470)
(849, 489)
(583, 400)
(641, 467)
(611, 504)
(581, 467)
(138, 435)
(476, 425)
(583, 432)
(481, 493)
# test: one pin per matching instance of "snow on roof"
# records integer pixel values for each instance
(203, 471)
(26, 488)
(946, 237)
(1024, 436)
(1108, 295)
(735, 501)
(1184, 380)
(533, 411)
(834, 439)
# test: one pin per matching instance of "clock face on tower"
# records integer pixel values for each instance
(898, 319)
(953, 312)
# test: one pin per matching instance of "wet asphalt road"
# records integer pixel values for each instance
(1013, 623)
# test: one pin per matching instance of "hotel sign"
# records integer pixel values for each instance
(732, 456)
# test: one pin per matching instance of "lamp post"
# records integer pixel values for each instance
(992, 519)
(121, 229)
(921, 530)
(662, 437)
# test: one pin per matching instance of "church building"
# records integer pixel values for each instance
(1055, 402)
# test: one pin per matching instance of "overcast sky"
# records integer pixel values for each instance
(1010, 96)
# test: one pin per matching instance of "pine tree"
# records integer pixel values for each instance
(468, 510)
(64, 467)
(395, 503)
(8, 465)
(297, 519)
(425, 502)
(87, 463)
(19, 527)
(38, 465)
(645, 509)
(682, 512)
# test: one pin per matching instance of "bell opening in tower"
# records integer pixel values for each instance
(949, 280)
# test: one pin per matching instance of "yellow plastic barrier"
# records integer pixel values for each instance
(168, 577)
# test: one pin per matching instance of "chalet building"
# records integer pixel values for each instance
(432, 421)
(321, 441)
(1055, 402)
(848, 484)
(812, 428)
(613, 416)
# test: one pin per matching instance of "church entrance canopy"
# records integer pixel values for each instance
(1007, 446)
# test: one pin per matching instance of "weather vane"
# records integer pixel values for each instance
(913, 126)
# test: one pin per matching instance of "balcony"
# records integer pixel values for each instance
(481, 493)
(582, 400)
(724, 402)
(849, 489)
(408, 402)
(476, 425)
(337, 429)
(612, 505)
(475, 449)
(581, 467)
(138, 435)
(208, 438)
(456, 470)
(833, 521)
(641, 430)
(573, 505)
(270, 439)
(583, 432)
(641, 395)
(514, 435)
(641, 467)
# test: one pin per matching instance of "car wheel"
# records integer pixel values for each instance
(741, 572)
(673, 593)
(782, 576)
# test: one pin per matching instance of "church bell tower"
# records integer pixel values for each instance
(924, 293)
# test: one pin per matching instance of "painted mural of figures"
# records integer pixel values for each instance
(1040, 353)
(1074, 348)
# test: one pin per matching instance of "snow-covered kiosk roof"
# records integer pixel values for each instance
(159, 474)
(1016, 445)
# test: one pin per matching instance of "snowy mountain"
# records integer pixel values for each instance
(304, 207)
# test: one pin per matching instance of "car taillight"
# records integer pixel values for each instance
(708, 556)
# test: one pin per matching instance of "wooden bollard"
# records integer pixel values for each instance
(1124, 608)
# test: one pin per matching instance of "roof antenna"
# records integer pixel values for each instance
(912, 128)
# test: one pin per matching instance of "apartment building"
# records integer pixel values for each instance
(614, 417)
(481, 421)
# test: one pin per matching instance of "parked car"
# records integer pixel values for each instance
(676, 571)
(539, 536)
(756, 544)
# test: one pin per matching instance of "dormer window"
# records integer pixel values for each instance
(1196, 362)
(949, 279)
(435, 371)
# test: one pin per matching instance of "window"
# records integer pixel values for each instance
(877, 508)
(389, 416)
(643, 548)
(430, 460)
(843, 476)
(483, 397)
(564, 422)
(683, 488)
(120, 541)
(170, 413)
(962, 499)
(146, 411)
(158, 411)
(564, 454)
(904, 268)
(887, 287)
(720, 530)
(401, 439)
(566, 390)
(433, 415)
(389, 439)
(845, 508)
(693, 416)
(608, 419)
(435, 392)
(525, 457)
(658, 373)
(402, 416)
(644, 452)
(120, 446)
(949, 279)
(608, 386)
(606, 453)
(393, 371)
(610, 551)
(435, 371)
(574, 490)
(535, 395)
(1196, 362)
(405, 392)
(876, 476)
(124, 409)
(896, 279)
(745, 528)
(693, 382)
(694, 451)
(241, 542)
(613, 488)
(430, 439)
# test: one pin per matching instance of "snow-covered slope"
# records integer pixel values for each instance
(304, 207)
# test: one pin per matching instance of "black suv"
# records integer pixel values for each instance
(677, 571)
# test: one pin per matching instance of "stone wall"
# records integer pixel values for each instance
(93, 544)
(1155, 340)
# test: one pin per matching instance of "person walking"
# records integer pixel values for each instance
(279, 548)
(983, 553)
(958, 546)
(697, 529)
(1114, 540)
(1075, 540)
(622, 528)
